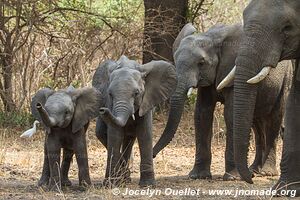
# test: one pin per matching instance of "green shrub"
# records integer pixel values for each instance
(15, 119)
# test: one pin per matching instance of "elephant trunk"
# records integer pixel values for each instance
(119, 117)
(176, 110)
(248, 64)
(243, 110)
(47, 120)
(254, 54)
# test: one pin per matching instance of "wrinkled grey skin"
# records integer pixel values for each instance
(202, 61)
(272, 33)
(65, 115)
(130, 89)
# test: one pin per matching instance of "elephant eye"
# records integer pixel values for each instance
(110, 94)
(136, 93)
(287, 29)
(201, 61)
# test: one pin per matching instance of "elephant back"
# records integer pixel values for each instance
(101, 78)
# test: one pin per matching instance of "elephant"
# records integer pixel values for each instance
(65, 114)
(271, 34)
(130, 91)
(202, 61)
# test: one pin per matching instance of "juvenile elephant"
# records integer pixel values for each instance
(65, 115)
(202, 61)
(130, 91)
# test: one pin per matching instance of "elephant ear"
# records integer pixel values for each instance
(70, 88)
(40, 97)
(226, 39)
(187, 30)
(125, 61)
(87, 101)
(219, 33)
(160, 82)
(101, 78)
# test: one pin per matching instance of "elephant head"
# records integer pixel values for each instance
(201, 60)
(59, 109)
(129, 87)
(271, 34)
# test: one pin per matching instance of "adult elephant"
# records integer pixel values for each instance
(272, 34)
(202, 61)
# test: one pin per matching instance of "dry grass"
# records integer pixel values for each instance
(21, 165)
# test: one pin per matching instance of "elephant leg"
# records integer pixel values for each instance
(113, 174)
(80, 150)
(273, 130)
(269, 158)
(258, 130)
(290, 162)
(126, 152)
(101, 131)
(230, 170)
(204, 112)
(144, 136)
(44, 180)
(65, 166)
(53, 147)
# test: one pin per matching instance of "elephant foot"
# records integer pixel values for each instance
(127, 180)
(197, 173)
(85, 183)
(127, 176)
(147, 179)
(54, 184)
(44, 181)
(254, 168)
(232, 175)
(147, 183)
(66, 182)
(289, 190)
(269, 170)
(113, 182)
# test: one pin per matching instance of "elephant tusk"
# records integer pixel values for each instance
(260, 76)
(133, 117)
(227, 79)
(190, 91)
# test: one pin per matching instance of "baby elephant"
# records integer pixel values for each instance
(130, 91)
(65, 115)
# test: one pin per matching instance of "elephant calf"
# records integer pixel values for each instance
(203, 61)
(130, 91)
(65, 115)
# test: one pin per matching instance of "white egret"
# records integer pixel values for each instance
(30, 132)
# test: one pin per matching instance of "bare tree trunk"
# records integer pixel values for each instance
(6, 87)
(6, 60)
(163, 21)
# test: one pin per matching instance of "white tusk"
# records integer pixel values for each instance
(30, 132)
(133, 117)
(227, 79)
(189, 92)
(260, 76)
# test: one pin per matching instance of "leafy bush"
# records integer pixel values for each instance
(15, 119)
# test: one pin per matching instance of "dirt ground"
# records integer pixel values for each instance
(21, 165)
